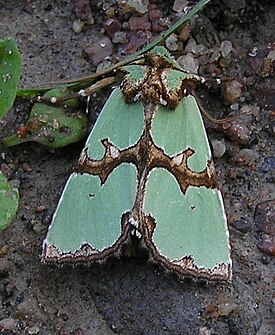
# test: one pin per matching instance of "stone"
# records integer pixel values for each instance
(264, 219)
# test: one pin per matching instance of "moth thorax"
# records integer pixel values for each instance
(152, 91)
(133, 222)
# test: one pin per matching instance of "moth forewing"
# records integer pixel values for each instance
(190, 233)
(89, 222)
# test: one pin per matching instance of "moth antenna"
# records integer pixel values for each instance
(211, 118)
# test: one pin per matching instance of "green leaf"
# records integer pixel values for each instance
(9, 200)
(10, 69)
(50, 125)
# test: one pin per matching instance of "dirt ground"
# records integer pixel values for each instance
(130, 296)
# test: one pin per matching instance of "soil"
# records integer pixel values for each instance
(130, 296)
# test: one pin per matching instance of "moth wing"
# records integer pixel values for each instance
(189, 231)
(90, 220)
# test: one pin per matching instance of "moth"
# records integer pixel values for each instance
(146, 173)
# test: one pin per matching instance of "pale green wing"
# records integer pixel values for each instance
(190, 233)
(119, 122)
(88, 222)
(178, 130)
(90, 219)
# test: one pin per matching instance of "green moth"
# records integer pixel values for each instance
(145, 173)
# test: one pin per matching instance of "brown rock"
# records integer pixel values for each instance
(99, 50)
(231, 91)
(83, 11)
(139, 23)
(265, 226)
(112, 26)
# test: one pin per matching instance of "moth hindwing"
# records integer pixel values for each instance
(146, 171)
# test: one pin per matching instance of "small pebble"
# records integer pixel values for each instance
(154, 13)
(253, 66)
(33, 330)
(236, 131)
(78, 26)
(205, 331)
(180, 5)
(171, 43)
(218, 147)
(125, 25)
(103, 65)
(112, 26)
(185, 33)
(235, 106)
(214, 54)
(189, 63)
(26, 167)
(245, 157)
(4, 250)
(83, 11)
(120, 37)
(243, 225)
(226, 304)
(226, 48)
(211, 310)
(99, 50)
(191, 46)
(201, 50)
(8, 324)
(158, 26)
(134, 44)
(141, 6)
(271, 55)
(225, 61)
(110, 12)
(264, 219)
(231, 91)
(158, 23)
(139, 23)
(22, 131)
(212, 69)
